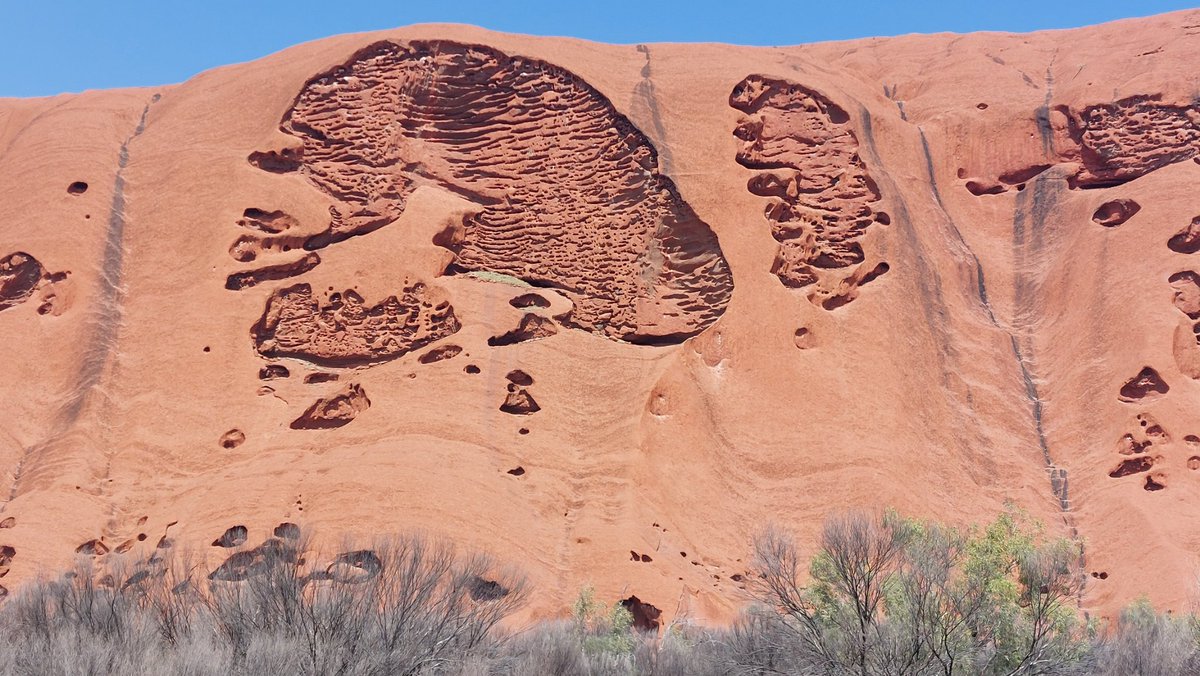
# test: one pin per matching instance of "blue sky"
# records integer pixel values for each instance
(48, 47)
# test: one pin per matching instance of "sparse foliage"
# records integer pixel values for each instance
(604, 630)
(880, 595)
(412, 608)
(1146, 643)
(887, 595)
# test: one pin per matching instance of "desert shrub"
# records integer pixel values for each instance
(405, 607)
(887, 595)
(561, 648)
(605, 630)
(880, 595)
(600, 640)
(1147, 643)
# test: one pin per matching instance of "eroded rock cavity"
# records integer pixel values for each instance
(20, 275)
(822, 195)
(1114, 143)
(570, 191)
(1115, 212)
(335, 410)
(1146, 384)
(345, 331)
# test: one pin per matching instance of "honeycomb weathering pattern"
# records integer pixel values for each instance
(1114, 143)
(1121, 141)
(570, 190)
(822, 193)
(344, 331)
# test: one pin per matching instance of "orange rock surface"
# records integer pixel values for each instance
(605, 311)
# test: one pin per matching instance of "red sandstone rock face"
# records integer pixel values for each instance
(604, 310)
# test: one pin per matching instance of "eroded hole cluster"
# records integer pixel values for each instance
(822, 196)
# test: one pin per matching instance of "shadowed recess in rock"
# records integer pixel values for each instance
(483, 590)
(353, 567)
(1115, 212)
(20, 275)
(1132, 466)
(1186, 287)
(1187, 240)
(234, 536)
(440, 353)
(532, 327)
(645, 616)
(273, 372)
(335, 410)
(1146, 384)
(345, 331)
(570, 191)
(232, 439)
(518, 401)
(253, 562)
(248, 278)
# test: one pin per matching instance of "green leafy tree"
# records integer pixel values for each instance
(889, 595)
(604, 629)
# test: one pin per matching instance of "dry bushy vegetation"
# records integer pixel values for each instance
(881, 595)
(405, 607)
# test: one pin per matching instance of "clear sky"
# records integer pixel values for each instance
(49, 46)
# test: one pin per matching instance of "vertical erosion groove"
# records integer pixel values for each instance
(102, 324)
